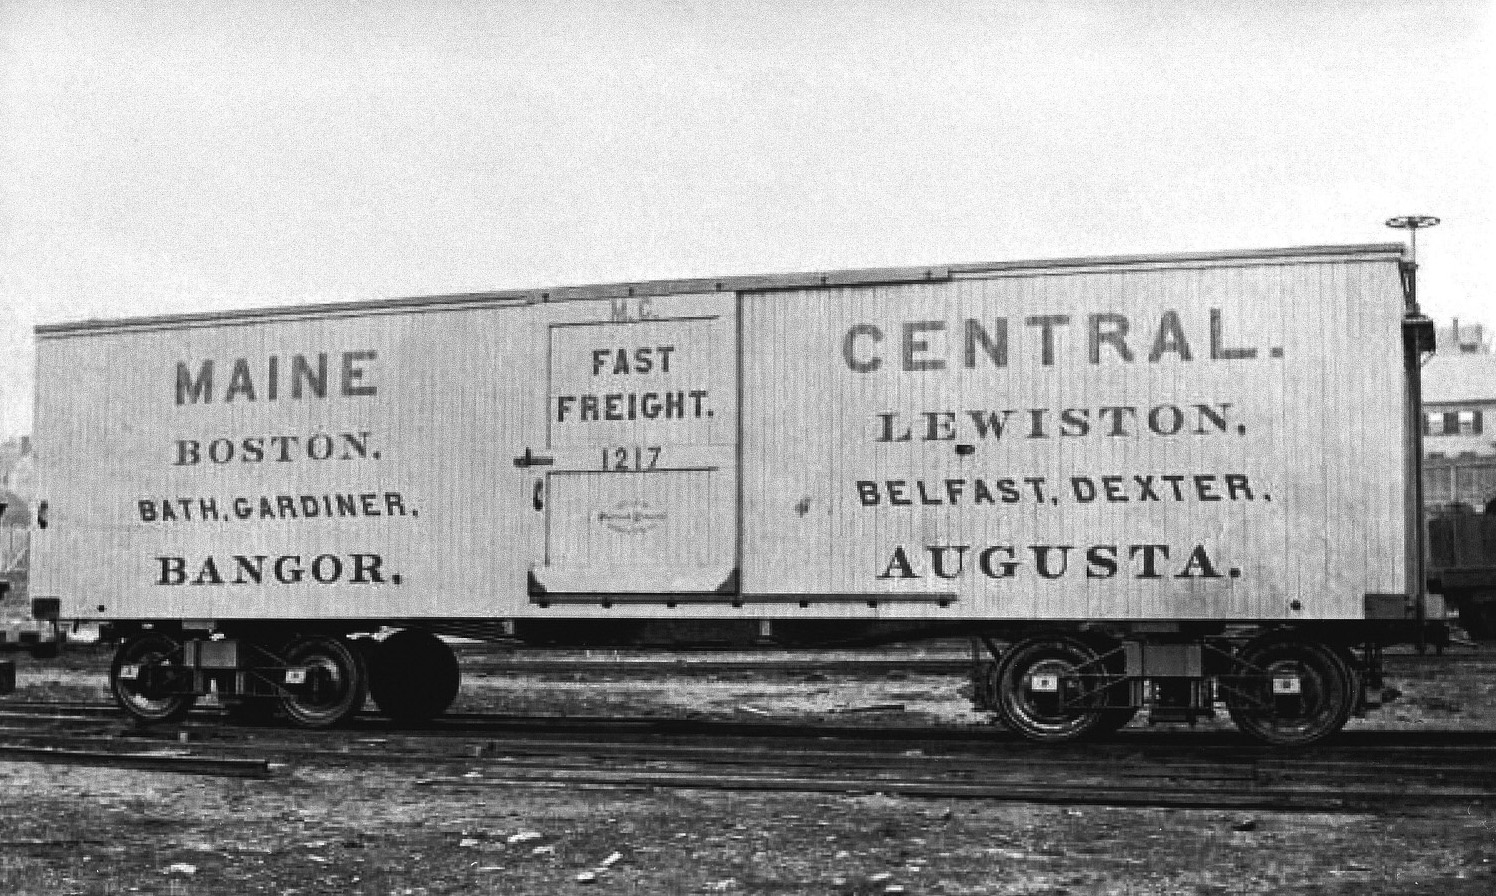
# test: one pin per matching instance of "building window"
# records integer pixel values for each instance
(1452, 423)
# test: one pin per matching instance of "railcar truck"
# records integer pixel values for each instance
(1164, 483)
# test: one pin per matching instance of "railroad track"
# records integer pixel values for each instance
(481, 658)
(1375, 771)
(955, 662)
(158, 761)
(465, 724)
(1166, 741)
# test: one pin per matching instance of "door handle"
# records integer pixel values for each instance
(531, 459)
(539, 498)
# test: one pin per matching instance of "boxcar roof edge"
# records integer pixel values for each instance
(759, 283)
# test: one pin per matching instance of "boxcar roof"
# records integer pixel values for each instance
(805, 280)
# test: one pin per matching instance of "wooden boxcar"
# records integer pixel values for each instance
(1163, 482)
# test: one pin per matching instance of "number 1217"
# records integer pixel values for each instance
(624, 458)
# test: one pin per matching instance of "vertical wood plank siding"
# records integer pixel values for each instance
(641, 500)
(816, 450)
(448, 416)
(1318, 434)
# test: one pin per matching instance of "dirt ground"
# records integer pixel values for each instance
(326, 829)
(329, 830)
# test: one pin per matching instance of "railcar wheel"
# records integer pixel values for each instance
(146, 677)
(413, 676)
(335, 686)
(1289, 693)
(1052, 690)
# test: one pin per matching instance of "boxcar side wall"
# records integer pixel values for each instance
(1217, 441)
(201, 472)
(1221, 438)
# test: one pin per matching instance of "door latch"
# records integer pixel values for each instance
(531, 459)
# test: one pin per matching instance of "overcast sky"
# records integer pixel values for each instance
(182, 156)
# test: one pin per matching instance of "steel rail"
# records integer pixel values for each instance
(1325, 785)
(1139, 796)
(1188, 788)
(154, 762)
(417, 747)
(923, 666)
(1166, 744)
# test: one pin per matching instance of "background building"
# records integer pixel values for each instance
(1463, 339)
(17, 483)
(1459, 420)
(11, 452)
